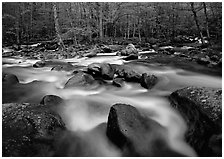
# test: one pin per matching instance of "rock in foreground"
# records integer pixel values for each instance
(135, 134)
(9, 79)
(29, 130)
(201, 108)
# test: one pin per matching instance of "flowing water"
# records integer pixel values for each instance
(85, 109)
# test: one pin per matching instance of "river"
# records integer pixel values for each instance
(85, 108)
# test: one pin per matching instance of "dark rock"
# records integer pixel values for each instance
(94, 68)
(93, 52)
(203, 61)
(214, 58)
(202, 110)
(215, 144)
(80, 79)
(127, 73)
(29, 130)
(39, 64)
(135, 134)
(51, 63)
(9, 79)
(51, 100)
(131, 57)
(63, 68)
(105, 49)
(103, 70)
(118, 82)
(107, 71)
(148, 81)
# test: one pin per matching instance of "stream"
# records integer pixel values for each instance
(85, 109)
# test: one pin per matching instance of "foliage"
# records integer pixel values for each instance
(80, 21)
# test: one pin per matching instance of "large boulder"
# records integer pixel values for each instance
(9, 79)
(29, 130)
(202, 110)
(135, 134)
(148, 81)
(80, 79)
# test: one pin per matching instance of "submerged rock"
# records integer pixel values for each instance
(80, 79)
(135, 134)
(148, 81)
(202, 110)
(63, 68)
(9, 79)
(51, 100)
(51, 63)
(29, 130)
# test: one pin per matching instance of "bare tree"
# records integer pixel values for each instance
(206, 18)
(196, 22)
(62, 46)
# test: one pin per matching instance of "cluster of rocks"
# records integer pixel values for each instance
(100, 73)
(50, 50)
(35, 129)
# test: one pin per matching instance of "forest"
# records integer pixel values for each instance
(111, 79)
(110, 22)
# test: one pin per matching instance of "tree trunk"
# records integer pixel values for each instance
(196, 22)
(57, 29)
(134, 29)
(31, 20)
(139, 30)
(69, 11)
(206, 16)
(128, 31)
(101, 21)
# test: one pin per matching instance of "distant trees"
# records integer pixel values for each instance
(92, 21)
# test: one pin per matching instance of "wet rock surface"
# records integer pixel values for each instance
(118, 82)
(80, 79)
(29, 130)
(51, 63)
(9, 79)
(127, 73)
(202, 110)
(135, 134)
(51, 100)
(103, 70)
(148, 81)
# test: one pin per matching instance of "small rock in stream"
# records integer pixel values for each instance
(148, 81)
